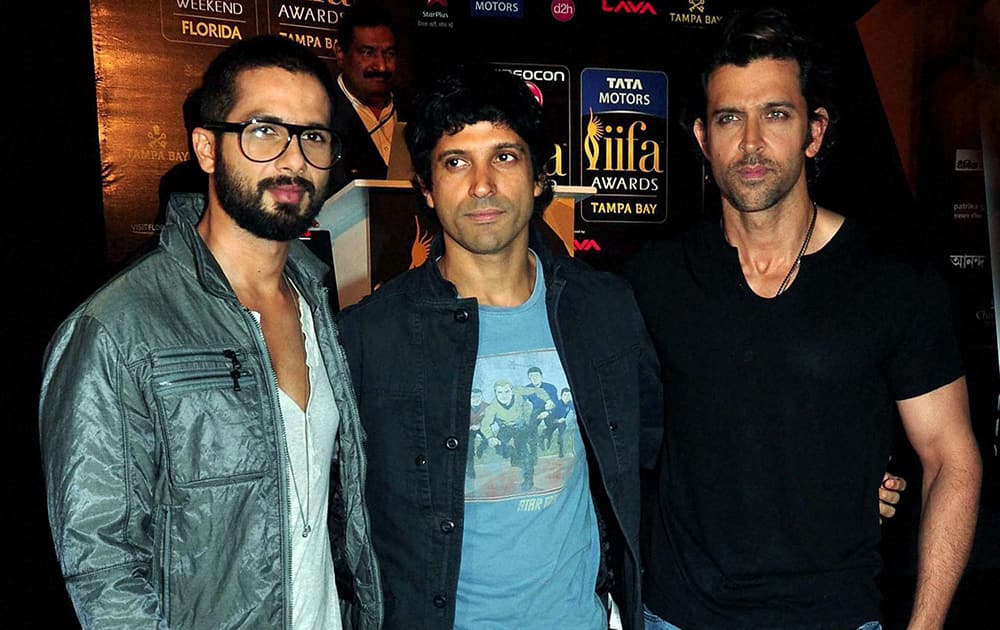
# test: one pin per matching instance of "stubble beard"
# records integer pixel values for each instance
(245, 205)
(495, 243)
(755, 196)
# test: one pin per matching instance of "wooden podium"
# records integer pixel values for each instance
(378, 229)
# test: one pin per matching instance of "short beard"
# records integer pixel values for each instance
(246, 206)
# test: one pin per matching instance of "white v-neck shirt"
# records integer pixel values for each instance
(315, 605)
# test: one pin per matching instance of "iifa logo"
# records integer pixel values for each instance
(586, 245)
(627, 6)
(618, 148)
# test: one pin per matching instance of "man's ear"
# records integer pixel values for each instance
(425, 191)
(701, 136)
(204, 143)
(540, 185)
(818, 123)
(338, 52)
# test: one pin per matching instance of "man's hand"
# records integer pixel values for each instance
(889, 494)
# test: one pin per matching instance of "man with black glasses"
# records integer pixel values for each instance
(191, 408)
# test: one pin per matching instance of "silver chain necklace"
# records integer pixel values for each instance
(802, 251)
(307, 528)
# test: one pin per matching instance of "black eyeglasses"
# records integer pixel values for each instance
(266, 140)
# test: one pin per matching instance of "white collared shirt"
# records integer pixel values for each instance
(381, 137)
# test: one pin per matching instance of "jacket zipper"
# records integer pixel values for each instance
(286, 546)
(225, 367)
(165, 565)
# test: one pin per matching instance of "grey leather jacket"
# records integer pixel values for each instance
(163, 454)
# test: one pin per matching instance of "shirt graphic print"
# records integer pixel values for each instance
(522, 430)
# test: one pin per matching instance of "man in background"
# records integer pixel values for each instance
(365, 112)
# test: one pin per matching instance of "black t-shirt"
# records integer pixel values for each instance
(777, 426)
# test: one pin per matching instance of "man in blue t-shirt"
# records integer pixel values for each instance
(476, 526)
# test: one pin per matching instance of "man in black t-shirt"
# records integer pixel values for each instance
(786, 343)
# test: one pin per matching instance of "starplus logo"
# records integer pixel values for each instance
(443, 3)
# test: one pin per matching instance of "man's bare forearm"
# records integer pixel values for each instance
(947, 525)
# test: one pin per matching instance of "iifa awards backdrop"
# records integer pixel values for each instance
(617, 80)
(604, 71)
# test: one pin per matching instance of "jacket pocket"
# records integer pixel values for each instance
(211, 409)
(618, 378)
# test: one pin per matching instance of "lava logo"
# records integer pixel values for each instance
(586, 245)
(627, 6)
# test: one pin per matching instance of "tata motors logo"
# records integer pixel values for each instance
(563, 10)
(497, 8)
(628, 6)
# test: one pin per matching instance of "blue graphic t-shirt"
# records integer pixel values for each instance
(530, 547)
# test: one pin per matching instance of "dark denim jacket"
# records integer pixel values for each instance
(412, 351)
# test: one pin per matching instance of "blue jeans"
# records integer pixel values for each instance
(655, 623)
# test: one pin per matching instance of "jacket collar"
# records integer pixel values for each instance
(181, 240)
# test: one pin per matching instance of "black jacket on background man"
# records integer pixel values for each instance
(361, 158)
